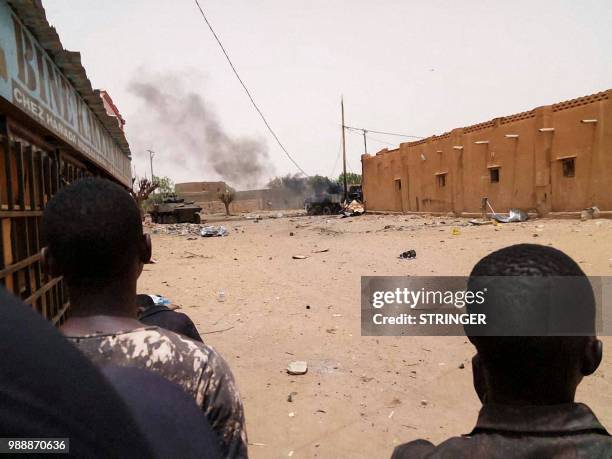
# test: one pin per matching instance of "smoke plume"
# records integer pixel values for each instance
(186, 126)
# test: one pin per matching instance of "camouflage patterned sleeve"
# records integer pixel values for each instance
(223, 407)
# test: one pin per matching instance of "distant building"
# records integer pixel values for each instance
(556, 158)
(200, 187)
(205, 194)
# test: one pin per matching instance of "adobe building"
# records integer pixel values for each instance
(205, 195)
(54, 129)
(553, 160)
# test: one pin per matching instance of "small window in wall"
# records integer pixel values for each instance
(441, 180)
(398, 184)
(569, 167)
(494, 175)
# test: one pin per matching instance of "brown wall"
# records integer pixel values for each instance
(530, 166)
(245, 201)
(197, 187)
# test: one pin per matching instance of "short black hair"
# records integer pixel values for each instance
(93, 230)
(521, 363)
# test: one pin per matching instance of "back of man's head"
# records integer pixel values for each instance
(93, 232)
(538, 369)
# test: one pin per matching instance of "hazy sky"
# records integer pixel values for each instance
(413, 67)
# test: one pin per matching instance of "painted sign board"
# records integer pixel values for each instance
(31, 81)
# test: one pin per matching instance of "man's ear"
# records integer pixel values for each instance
(146, 250)
(48, 263)
(478, 375)
(593, 353)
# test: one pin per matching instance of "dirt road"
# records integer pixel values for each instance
(361, 395)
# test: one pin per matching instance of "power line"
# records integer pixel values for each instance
(385, 133)
(373, 138)
(381, 141)
(336, 162)
(247, 91)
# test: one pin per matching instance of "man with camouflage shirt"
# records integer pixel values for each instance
(93, 235)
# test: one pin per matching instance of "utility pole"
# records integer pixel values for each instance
(151, 155)
(343, 152)
(365, 143)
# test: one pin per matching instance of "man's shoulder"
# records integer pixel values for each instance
(456, 447)
(153, 344)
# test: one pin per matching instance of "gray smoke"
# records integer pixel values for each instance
(185, 123)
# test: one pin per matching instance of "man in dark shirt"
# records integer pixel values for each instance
(527, 384)
(162, 316)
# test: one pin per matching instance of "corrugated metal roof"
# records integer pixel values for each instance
(32, 13)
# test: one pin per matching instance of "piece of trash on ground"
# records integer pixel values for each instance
(590, 213)
(212, 231)
(354, 209)
(297, 367)
(514, 215)
(299, 257)
(481, 221)
(408, 254)
(320, 251)
(455, 232)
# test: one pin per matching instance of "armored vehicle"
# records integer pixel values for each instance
(173, 209)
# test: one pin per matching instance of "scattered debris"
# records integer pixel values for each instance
(291, 233)
(292, 414)
(290, 397)
(299, 257)
(217, 331)
(193, 255)
(455, 232)
(354, 209)
(213, 231)
(461, 366)
(297, 367)
(589, 213)
(424, 402)
(408, 254)
(514, 215)
(221, 296)
(481, 221)
(178, 229)
(320, 251)
(257, 444)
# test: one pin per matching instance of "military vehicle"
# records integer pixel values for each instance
(355, 193)
(327, 203)
(173, 209)
(323, 203)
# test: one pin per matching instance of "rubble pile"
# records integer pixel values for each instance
(179, 229)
